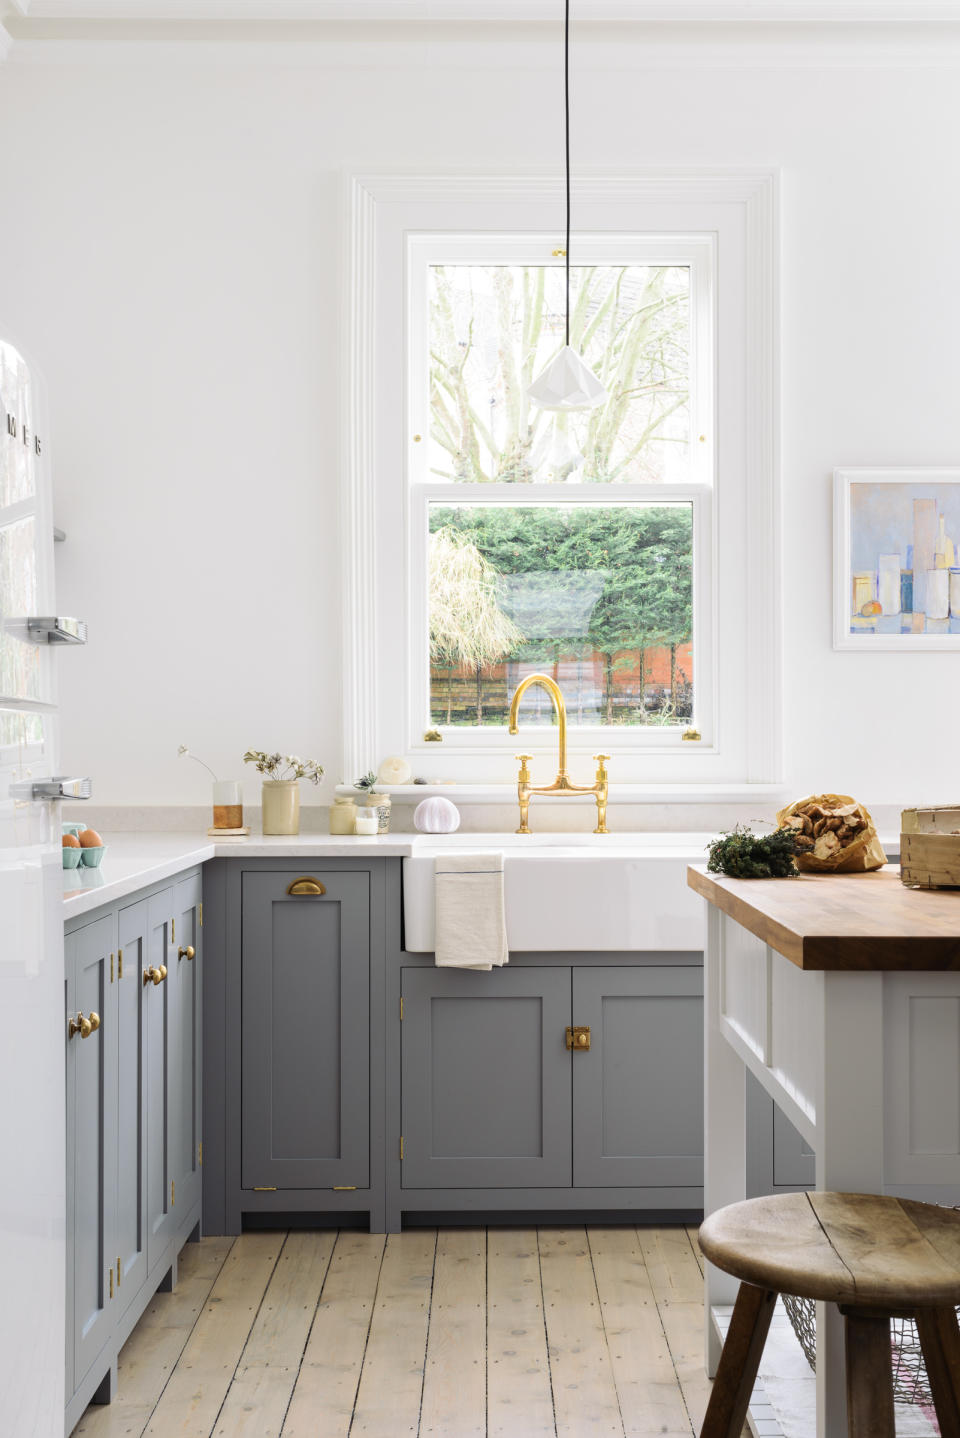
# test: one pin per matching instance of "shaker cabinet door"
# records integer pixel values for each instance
(132, 948)
(305, 1029)
(92, 1147)
(638, 1090)
(486, 1078)
(160, 1079)
(184, 978)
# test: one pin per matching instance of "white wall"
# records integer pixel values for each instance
(169, 251)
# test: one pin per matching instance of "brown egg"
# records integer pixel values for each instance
(90, 839)
(70, 841)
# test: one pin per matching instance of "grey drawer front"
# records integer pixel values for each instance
(486, 1078)
(305, 1032)
(638, 1091)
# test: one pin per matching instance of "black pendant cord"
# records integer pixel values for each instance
(566, 112)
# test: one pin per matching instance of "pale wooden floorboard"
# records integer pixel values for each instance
(325, 1394)
(465, 1333)
(584, 1392)
(192, 1399)
(650, 1400)
(259, 1395)
(455, 1378)
(519, 1397)
(391, 1383)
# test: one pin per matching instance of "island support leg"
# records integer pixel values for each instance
(724, 1111)
(849, 1151)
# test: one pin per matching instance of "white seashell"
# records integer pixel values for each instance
(394, 771)
(436, 816)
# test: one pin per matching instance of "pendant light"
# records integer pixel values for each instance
(567, 382)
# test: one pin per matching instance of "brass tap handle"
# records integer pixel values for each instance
(188, 953)
(602, 762)
(524, 776)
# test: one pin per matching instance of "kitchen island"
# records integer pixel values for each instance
(841, 995)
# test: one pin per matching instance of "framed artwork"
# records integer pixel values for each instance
(896, 568)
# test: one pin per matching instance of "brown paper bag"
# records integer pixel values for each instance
(862, 853)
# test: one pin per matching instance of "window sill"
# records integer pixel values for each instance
(619, 793)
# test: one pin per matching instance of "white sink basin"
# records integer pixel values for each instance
(574, 892)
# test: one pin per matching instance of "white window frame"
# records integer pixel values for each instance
(396, 221)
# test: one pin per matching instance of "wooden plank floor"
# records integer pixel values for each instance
(456, 1333)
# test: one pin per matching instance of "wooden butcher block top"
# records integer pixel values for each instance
(843, 921)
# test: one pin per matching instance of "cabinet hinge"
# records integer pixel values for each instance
(344, 1188)
(200, 1155)
(401, 1009)
(118, 1270)
(173, 1193)
(200, 915)
(173, 931)
(111, 968)
(119, 963)
(401, 1147)
(265, 1188)
(111, 1283)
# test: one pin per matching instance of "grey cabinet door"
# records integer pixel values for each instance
(305, 1029)
(159, 1075)
(638, 1090)
(91, 1110)
(184, 979)
(132, 949)
(485, 1078)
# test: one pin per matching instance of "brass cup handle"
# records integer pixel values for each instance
(84, 1026)
(188, 953)
(306, 885)
(155, 974)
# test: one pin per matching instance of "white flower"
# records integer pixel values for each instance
(183, 750)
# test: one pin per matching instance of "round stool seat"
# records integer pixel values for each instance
(863, 1249)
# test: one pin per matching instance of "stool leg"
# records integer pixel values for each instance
(869, 1374)
(940, 1342)
(739, 1361)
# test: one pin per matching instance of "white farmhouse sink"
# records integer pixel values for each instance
(574, 892)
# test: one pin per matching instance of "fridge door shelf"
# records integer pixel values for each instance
(52, 629)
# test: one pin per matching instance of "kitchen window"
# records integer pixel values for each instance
(615, 548)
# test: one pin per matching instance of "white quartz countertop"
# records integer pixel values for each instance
(132, 861)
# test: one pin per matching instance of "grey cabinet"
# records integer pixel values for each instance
(305, 1056)
(492, 1098)
(133, 1108)
(638, 1090)
(486, 1078)
(779, 1159)
(91, 1070)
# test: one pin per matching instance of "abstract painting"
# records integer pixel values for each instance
(896, 559)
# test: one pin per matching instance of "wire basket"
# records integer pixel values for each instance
(910, 1382)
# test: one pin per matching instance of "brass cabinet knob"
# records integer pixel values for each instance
(83, 1026)
(188, 953)
(154, 975)
(163, 974)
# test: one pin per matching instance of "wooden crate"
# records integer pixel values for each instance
(930, 847)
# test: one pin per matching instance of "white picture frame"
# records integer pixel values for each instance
(881, 517)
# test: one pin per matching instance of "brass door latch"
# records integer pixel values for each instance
(579, 1037)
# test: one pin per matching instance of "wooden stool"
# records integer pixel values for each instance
(877, 1258)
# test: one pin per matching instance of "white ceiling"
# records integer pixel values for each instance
(473, 10)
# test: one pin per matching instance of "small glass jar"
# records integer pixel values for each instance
(343, 815)
(368, 821)
(227, 804)
(382, 802)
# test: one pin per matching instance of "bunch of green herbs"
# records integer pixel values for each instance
(741, 854)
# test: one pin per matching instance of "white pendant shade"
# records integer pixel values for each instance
(567, 383)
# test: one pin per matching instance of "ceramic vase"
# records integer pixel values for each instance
(281, 806)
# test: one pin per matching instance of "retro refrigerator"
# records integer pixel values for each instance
(32, 999)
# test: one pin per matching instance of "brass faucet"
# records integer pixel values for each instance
(561, 785)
